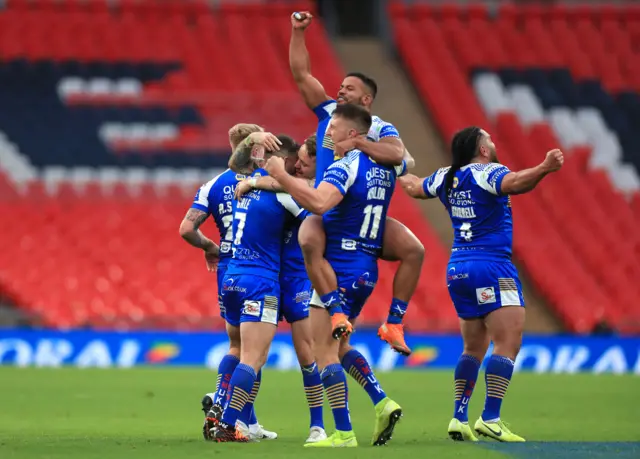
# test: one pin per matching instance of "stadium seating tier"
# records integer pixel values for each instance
(111, 116)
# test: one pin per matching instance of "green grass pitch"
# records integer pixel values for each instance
(154, 413)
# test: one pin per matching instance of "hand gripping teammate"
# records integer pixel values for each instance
(215, 198)
(353, 199)
(295, 286)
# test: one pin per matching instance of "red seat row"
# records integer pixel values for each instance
(85, 259)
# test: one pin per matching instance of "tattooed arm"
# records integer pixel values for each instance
(190, 232)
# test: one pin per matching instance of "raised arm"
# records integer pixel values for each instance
(311, 89)
(526, 180)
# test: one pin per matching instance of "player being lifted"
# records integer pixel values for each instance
(483, 282)
(215, 198)
(353, 198)
(251, 288)
(382, 143)
(399, 243)
(295, 286)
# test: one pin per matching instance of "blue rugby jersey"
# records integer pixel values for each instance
(292, 263)
(259, 221)
(480, 214)
(356, 225)
(216, 197)
(324, 145)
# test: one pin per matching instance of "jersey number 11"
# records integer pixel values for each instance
(375, 225)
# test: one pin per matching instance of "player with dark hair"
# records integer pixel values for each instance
(482, 280)
(383, 145)
(353, 199)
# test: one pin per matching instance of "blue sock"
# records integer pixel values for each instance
(226, 368)
(248, 415)
(357, 366)
(331, 302)
(313, 390)
(335, 384)
(397, 311)
(497, 377)
(465, 377)
(239, 393)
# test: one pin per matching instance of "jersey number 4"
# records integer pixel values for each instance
(465, 231)
(375, 224)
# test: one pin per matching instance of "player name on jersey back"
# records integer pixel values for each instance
(480, 214)
(259, 220)
(216, 198)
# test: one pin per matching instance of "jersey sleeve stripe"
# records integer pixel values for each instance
(201, 207)
(325, 109)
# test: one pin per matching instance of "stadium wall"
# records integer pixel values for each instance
(83, 349)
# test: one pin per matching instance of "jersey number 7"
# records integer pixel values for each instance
(242, 220)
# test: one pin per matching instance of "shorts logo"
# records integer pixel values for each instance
(228, 284)
(363, 281)
(452, 275)
(302, 297)
(486, 295)
(251, 308)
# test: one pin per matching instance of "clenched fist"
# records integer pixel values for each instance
(554, 160)
(301, 20)
(275, 167)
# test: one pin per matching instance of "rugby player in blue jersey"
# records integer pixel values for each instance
(482, 280)
(215, 199)
(383, 144)
(251, 287)
(296, 290)
(353, 199)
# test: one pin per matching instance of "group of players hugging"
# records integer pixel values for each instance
(301, 230)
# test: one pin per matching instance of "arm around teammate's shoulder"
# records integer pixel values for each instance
(311, 89)
(527, 179)
(316, 200)
(388, 150)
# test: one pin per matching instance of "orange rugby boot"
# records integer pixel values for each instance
(340, 326)
(394, 335)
